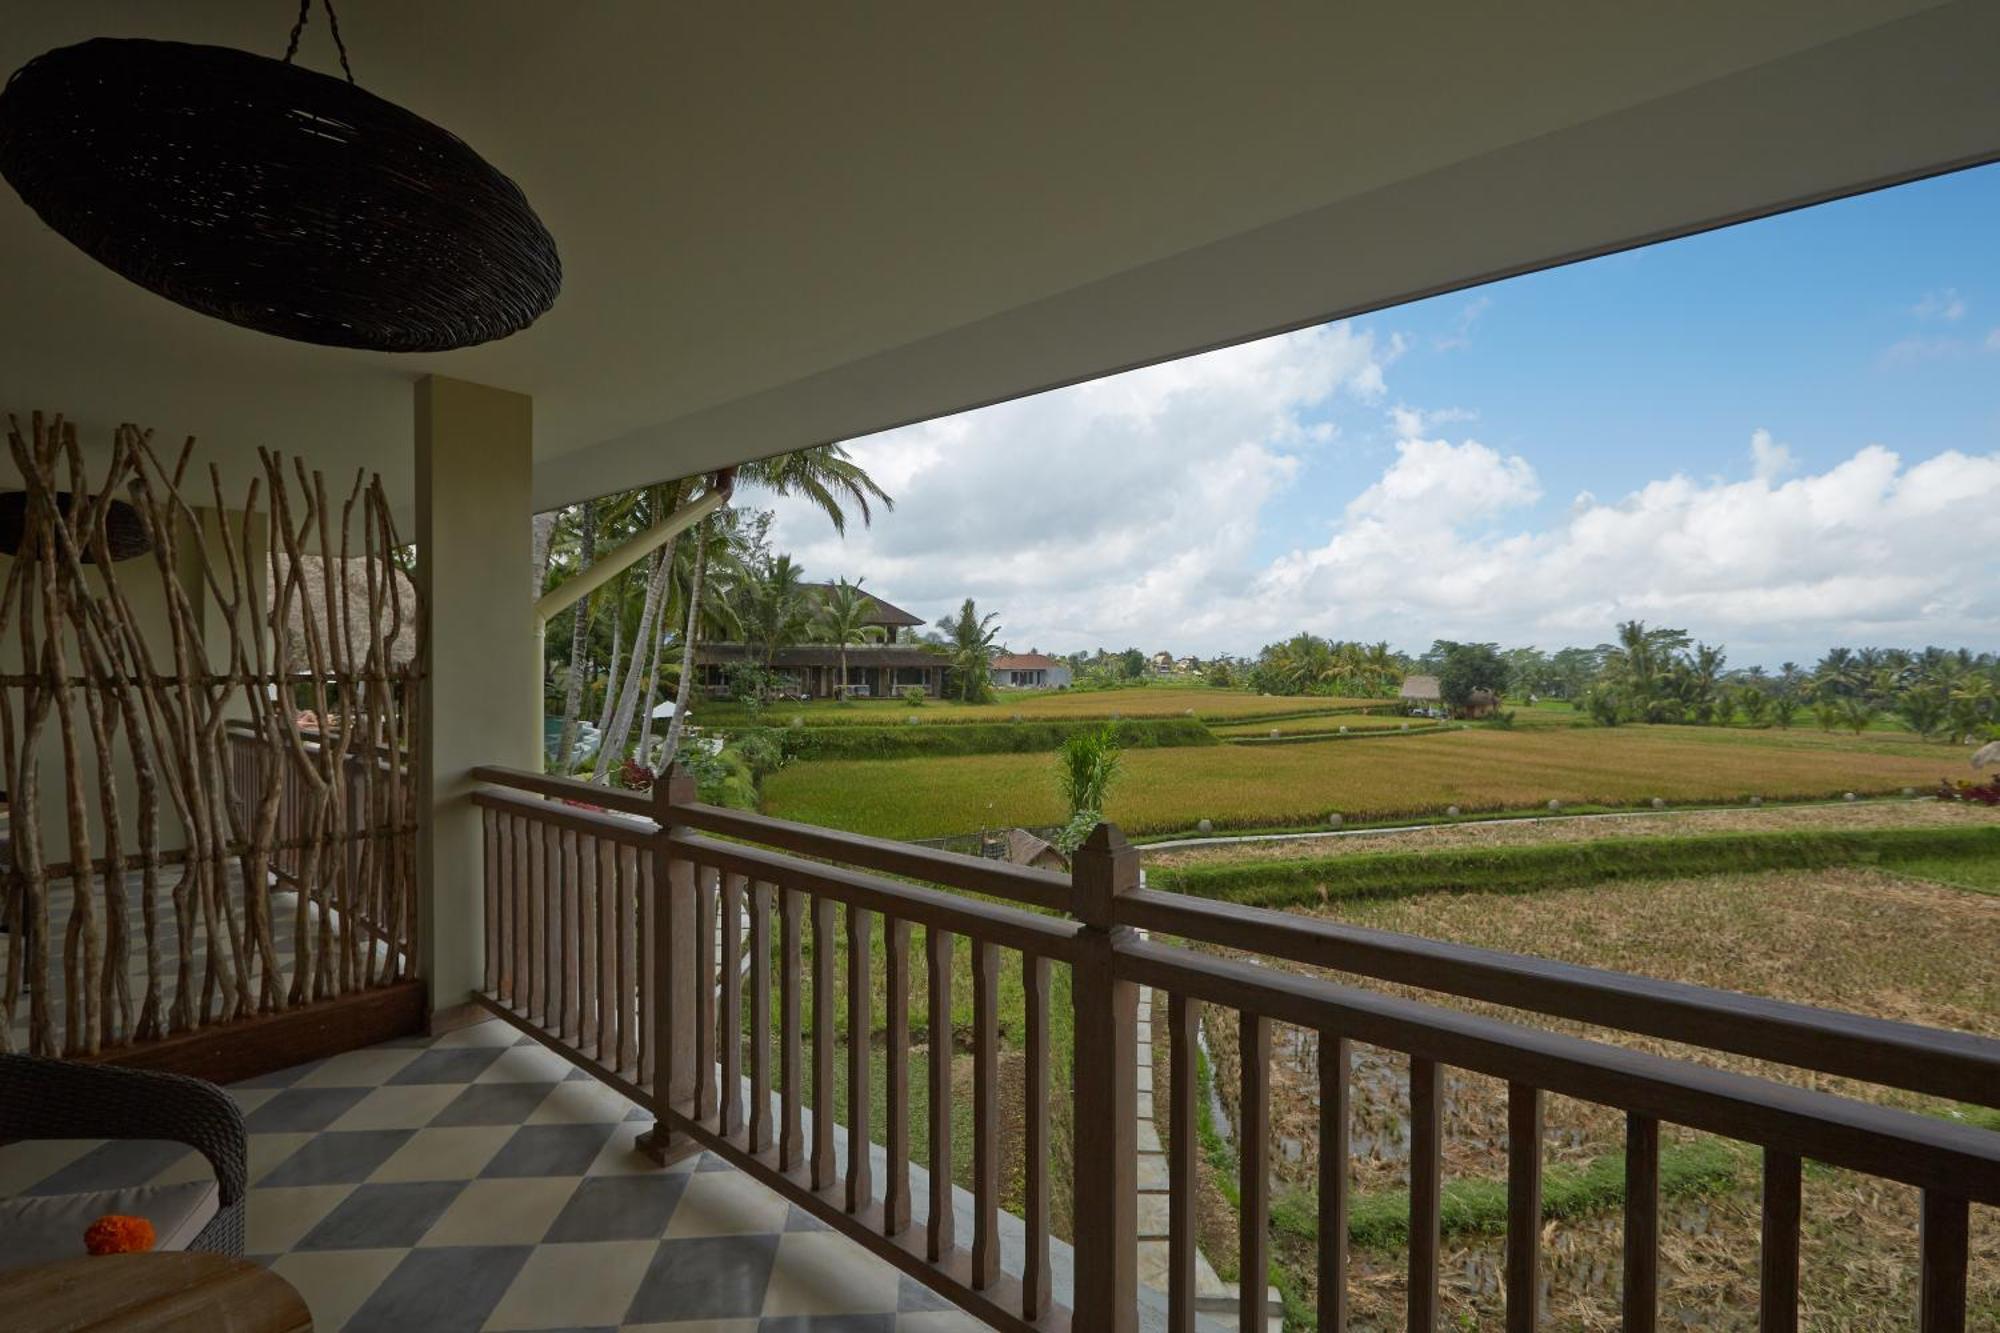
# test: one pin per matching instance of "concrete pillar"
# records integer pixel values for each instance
(475, 463)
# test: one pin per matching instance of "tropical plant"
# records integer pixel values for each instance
(843, 616)
(969, 647)
(1086, 765)
(1467, 668)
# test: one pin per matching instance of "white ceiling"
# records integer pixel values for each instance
(784, 224)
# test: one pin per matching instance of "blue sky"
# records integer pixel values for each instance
(1417, 473)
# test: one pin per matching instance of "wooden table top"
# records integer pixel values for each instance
(178, 1291)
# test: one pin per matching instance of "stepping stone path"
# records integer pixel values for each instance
(1215, 1301)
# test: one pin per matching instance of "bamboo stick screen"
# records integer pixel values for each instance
(234, 776)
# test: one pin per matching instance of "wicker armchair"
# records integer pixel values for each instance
(57, 1099)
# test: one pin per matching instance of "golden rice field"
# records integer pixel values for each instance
(1321, 725)
(1140, 701)
(1236, 786)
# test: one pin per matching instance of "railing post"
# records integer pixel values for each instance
(1106, 1090)
(669, 1022)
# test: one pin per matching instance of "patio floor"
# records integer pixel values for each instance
(477, 1181)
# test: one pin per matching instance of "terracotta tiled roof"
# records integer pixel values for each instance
(1025, 662)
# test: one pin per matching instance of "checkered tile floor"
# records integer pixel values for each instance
(477, 1181)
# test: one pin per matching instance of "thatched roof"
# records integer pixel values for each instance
(311, 599)
(1423, 688)
(1025, 849)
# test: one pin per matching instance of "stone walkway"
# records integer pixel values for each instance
(1215, 1300)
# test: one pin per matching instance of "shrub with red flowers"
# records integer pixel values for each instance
(1983, 793)
(635, 776)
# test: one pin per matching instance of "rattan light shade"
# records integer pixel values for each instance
(274, 197)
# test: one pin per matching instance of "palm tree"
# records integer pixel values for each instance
(843, 618)
(971, 649)
(579, 637)
(773, 610)
(714, 561)
(826, 477)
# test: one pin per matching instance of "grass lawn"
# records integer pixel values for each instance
(1858, 939)
(1280, 786)
(1138, 701)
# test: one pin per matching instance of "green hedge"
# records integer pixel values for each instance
(1031, 736)
(1282, 883)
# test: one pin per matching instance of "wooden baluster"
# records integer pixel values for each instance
(1254, 1186)
(1335, 1057)
(1035, 1156)
(521, 871)
(822, 1081)
(671, 955)
(791, 973)
(640, 970)
(538, 953)
(985, 1114)
(1524, 1206)
(704, 992)
(1942, 1234)
(1426, 1187)
(760, 1017)
(489, 829)
(1642, 1222)
(1183, 1040)
(860, 1022)
(604, 953)
(1778, 1290)
(939, 1238)
(896, 1189)
(552, 917)
(509, 927)
(588, 972)
(732, 1004)
(566, 878)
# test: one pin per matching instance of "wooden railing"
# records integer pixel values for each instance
(602, 938)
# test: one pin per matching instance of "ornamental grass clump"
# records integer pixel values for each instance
(1086, 765)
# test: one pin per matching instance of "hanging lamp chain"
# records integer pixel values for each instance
(333, 25)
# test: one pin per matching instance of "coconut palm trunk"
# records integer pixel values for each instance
(619, 729)
(579, 641)
(692, 632)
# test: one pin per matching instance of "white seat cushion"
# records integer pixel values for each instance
(42, 1229)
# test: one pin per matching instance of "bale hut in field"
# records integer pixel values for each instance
(347, 609)
(1421, 692)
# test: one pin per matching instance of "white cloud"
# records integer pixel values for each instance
(1769, 460)
(1993, 340)
(1869, 550)
(1117, 511)
(1945, 304)
(1135, 510)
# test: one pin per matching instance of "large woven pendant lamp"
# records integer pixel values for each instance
(274, 197)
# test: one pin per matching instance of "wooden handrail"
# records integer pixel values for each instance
(974, 874)
(566, 789)
(1895, 1145)
(1003, 925)
(1942, 1063)
(599, 823)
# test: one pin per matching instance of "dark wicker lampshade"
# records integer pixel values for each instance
(124, 532)
(274, 197)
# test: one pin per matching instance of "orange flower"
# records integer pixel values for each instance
(115, 1233)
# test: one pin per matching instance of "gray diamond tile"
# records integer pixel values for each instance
(383, 1217)
(549, 1150)
(337, 1158)
(458, 1064)
(494, 1104)
(705, 1277)
(441, 1291)
(913, 1296)
(303, 1110)
(618, 1208)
